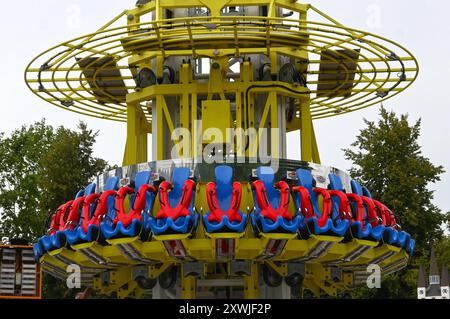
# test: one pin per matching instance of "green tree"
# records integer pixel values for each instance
(40, 169)
(20, 156)
(67, 166)
(387, 158)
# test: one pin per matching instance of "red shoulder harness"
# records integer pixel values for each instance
(74, 214)
(182, 209)
(233, 212)
(138, 205)
(267, 210)
(344, 207)
(100, 211)
(307, 208)
(59, 218)
(372, 217)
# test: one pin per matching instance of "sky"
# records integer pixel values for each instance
(419, 26)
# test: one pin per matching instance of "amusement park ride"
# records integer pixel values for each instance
(185, 226)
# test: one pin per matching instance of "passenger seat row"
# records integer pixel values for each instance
(102, 216)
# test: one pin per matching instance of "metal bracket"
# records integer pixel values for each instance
(241, 268)
(281, 269)
(336, 274)
(140, 271)
(194, 269)
(296, 269)
(105, 278)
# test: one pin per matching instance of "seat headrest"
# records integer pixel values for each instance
(336, 183)
(356, 188)
(305, 178)
(266, 174)
(224, 175)
(180, 176)
(366, 192)
(79, 194)
(142, 178)
(90, 189)
(112, 184)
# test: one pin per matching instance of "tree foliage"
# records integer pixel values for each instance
(40, 169)
(387, 158)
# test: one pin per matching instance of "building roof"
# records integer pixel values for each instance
(422, 283)
(434, 269)
(445, 282)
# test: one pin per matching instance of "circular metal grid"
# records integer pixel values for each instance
(383, 68)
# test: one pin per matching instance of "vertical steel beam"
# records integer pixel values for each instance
(158, 129)
(251, 283)
(188, 287)
(137, 130)
(274, 125)
(306, 131)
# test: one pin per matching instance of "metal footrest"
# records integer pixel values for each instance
(97, 259)
(318, 251)
(273, 249)
(384, 257)
(352, 256)
(130, 252)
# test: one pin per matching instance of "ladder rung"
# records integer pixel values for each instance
(29, 274)
(8, 270)
(26, 258)
(7, 287)
(7, 292)
(29, 281)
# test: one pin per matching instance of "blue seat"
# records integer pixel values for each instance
(111, 230)
(410, 246)
(394, 237)
(272, 194)
(37, 252)
(356, 228)
(59, 239)
(79, 235)
(389, 234)
(180, 199)
(224, 193)
(376, 232)
(327, 222)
